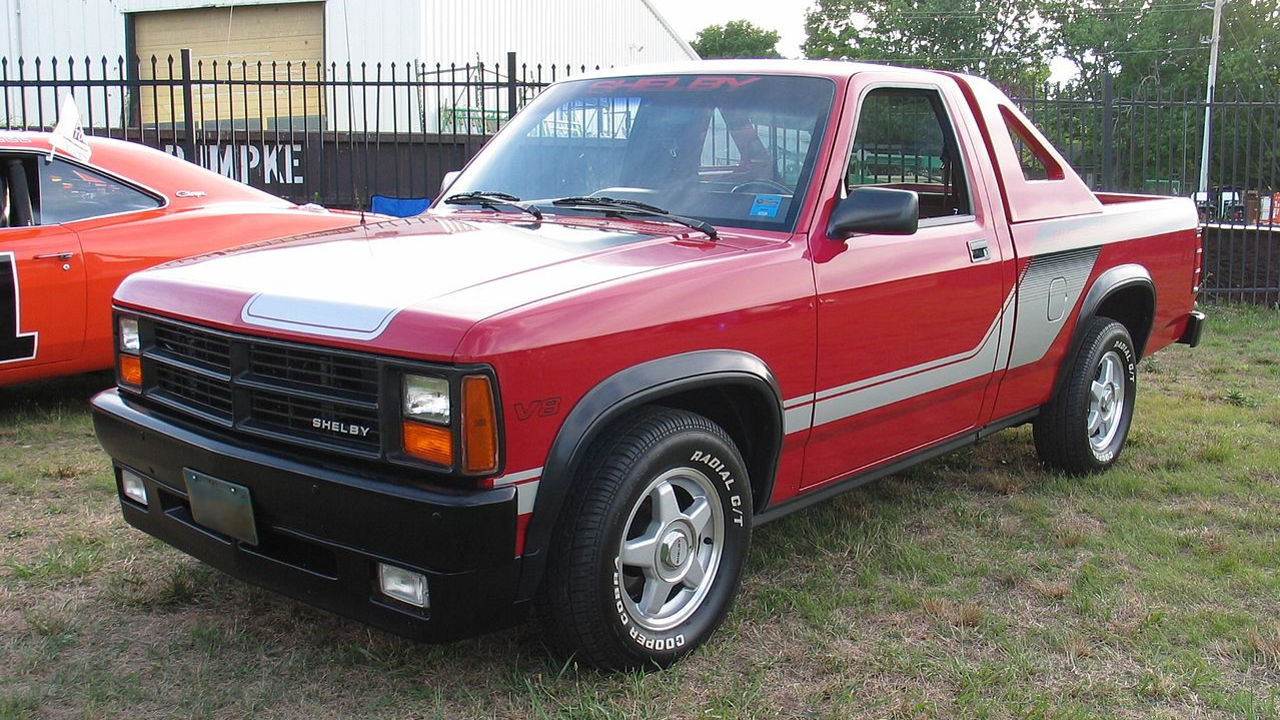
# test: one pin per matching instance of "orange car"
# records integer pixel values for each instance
(70, 231)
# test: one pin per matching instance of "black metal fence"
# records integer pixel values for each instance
(339, 133)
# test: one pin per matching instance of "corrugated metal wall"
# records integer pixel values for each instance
(561, 33)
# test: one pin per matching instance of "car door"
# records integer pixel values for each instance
(111, 218)
(909, 326)
(42, 275)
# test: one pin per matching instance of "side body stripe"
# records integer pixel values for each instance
(1030, 319)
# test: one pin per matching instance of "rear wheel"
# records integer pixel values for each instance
(1084, 427)
(648, 557)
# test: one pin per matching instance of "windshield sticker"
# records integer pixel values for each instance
(678, 83)
(766, 206)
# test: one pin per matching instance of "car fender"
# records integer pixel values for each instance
(1107, 284)
(620, 393)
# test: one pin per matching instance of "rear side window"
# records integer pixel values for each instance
(70, 192)
(1036, 164)
(905, 140)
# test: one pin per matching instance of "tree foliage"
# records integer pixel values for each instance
(1145, 44)
(736, 39)
(1004, 40)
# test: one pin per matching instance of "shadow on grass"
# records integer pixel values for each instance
(50, 397)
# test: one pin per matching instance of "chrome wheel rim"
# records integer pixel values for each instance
(1106, 401)
(671, 549)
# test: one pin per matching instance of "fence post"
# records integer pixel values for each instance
(188, 117)
(511, 85)
(1108, 146)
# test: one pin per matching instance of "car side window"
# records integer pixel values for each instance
(17, 201)
(69, 192)
(905, 140)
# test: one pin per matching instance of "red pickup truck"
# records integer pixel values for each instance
(655, 312)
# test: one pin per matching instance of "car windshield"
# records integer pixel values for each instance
(730, 150)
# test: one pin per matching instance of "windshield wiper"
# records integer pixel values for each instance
(620, 206)
(492, 201)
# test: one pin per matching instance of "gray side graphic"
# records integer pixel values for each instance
(1048, 291)
(859, 397)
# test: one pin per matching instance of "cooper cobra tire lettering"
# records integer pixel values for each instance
(14, 344)
(648, 554)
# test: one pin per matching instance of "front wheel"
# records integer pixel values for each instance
(1084, 427)
(647, 559)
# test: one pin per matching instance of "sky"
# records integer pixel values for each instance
(786, 17)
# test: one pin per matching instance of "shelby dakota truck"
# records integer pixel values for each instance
(655, 312)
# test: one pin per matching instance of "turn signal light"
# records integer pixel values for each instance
(479, 425)
(428, 442)
(131, 370)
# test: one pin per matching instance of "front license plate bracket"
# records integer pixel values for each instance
(221, 506)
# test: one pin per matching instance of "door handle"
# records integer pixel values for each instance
(978, 250)
(63, 256)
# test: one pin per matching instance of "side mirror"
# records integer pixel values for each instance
(448, 179)
(875, 210)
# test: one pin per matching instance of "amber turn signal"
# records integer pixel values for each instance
(131, 370)
(479, 425)
(428, 442)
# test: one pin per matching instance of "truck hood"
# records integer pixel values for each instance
(410, 287)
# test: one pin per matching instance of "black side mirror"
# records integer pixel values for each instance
(875, 210)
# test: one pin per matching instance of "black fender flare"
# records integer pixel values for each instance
(1113, 280)
(620, 393)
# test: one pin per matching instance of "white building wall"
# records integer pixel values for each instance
(423, 33)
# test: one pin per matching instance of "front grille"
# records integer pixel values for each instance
(341, 424)
(314, 370)
(315, 397)
(205, 395)
(197, 346)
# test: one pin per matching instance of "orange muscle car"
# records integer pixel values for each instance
(70, 231)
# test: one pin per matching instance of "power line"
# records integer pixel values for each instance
(899, 58)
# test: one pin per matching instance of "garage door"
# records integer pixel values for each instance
(236, 44)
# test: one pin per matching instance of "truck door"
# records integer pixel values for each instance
(42, 277)
(909, 326)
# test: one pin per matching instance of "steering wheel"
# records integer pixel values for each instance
(761, 183)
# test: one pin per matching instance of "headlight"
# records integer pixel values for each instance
(130, 341)
(426, 399)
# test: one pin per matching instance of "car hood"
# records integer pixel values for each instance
(408, 287)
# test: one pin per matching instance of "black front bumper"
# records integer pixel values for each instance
(324, 525)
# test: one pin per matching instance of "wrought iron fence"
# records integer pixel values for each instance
(340, 133)
(330, 133)
(1152, 144)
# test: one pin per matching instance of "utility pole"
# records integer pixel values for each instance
(1208, 99)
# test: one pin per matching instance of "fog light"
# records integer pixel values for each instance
(403, 585)
(133, 486)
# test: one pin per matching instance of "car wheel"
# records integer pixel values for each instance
(1083, 428)
(648, 556)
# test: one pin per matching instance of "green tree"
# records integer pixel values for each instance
(736, 39)
(1004, 40)
(1157, 43)
(1153, 51)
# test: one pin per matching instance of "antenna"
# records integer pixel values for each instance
(1208, 98)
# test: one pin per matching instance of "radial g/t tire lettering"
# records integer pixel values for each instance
(1083, 428)
(648, 555)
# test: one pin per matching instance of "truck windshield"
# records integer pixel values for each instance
(730, 150)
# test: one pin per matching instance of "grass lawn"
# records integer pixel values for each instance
(978, 585)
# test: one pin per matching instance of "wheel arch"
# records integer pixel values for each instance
(1124, 293)
(734, 389)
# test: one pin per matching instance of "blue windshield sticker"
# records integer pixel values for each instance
(766, 206)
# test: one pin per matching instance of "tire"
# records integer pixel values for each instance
(1083, 428)
(648, 555)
